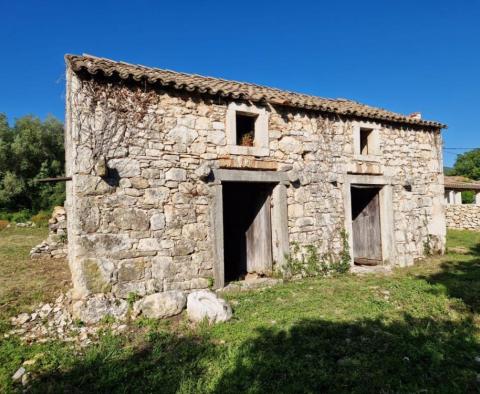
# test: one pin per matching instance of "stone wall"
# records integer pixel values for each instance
(55, 246)
(464, 217)
(147, 226)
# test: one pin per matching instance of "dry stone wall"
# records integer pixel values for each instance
(463, 217)
(55, 246)
(146, 227)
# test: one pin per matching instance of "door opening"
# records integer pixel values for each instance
(366, 230)
(247, 229)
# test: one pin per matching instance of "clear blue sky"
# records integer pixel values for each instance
(405, 56)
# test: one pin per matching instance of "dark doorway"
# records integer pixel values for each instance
(247, 229)
(367, 238)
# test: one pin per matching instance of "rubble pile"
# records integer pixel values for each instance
(55, 246)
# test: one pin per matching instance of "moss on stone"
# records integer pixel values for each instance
(94, 280)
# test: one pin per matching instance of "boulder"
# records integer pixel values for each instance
(161, 305)
(205, 304)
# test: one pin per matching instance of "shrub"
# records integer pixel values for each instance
(21, 216)
(6, 216)
(41, 218)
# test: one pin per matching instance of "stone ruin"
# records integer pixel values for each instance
(180, 183)
(55, 246)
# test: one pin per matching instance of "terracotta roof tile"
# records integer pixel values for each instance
(461, 182)
(236, 90)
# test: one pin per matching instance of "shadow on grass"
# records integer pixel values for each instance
(368, 356)
(461, 279)
(475, 249)
(413, 355)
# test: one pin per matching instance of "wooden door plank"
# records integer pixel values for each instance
(367, 242)
(259, 241)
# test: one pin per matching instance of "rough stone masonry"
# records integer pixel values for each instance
(463, 217)
(148, 151)
(55, 246)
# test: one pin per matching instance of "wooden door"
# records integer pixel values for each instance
(367, 239)
(259, 240)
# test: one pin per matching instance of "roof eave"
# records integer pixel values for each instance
(70, 60)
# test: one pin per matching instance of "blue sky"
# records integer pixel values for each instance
(405, 56)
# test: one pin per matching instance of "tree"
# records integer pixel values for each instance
(30, 150)
(468, 164)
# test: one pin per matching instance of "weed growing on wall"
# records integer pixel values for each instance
(427, 243)
(306, 261)
(342, 265)
(132, 297)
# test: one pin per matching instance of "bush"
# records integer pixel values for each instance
(21, 216)
(7, 216)
(41, 218)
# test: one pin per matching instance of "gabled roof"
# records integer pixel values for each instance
(461, 182)
(237, 90)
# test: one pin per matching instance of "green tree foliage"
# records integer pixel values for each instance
(30, 150)
(468, 164)
(468, 197)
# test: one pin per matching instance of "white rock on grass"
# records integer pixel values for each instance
(204, 304)
(18, 375)
(22, 318)
(162, 305)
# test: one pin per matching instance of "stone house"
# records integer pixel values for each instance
(180, 181)
(459, 215)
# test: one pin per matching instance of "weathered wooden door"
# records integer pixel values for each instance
(259, 240)
(367, 239)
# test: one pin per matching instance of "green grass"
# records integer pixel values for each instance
(416, 330)
(24, 282)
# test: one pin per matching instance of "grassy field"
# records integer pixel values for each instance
(416, 330)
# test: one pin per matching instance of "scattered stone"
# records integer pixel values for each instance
(205, 304)
(18, 375)
(25, 379)
(45, 311)
(55, 246)
(161, 305)
(26, 224)
(22, 318)
(58, 322)
(94, 308)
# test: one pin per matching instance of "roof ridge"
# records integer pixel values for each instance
(280, 90)
(239, 90)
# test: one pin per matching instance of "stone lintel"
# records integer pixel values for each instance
(365, 168)
(225, 175)
(247, 163)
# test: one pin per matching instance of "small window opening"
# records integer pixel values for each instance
(365, 141)
(245, 124)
